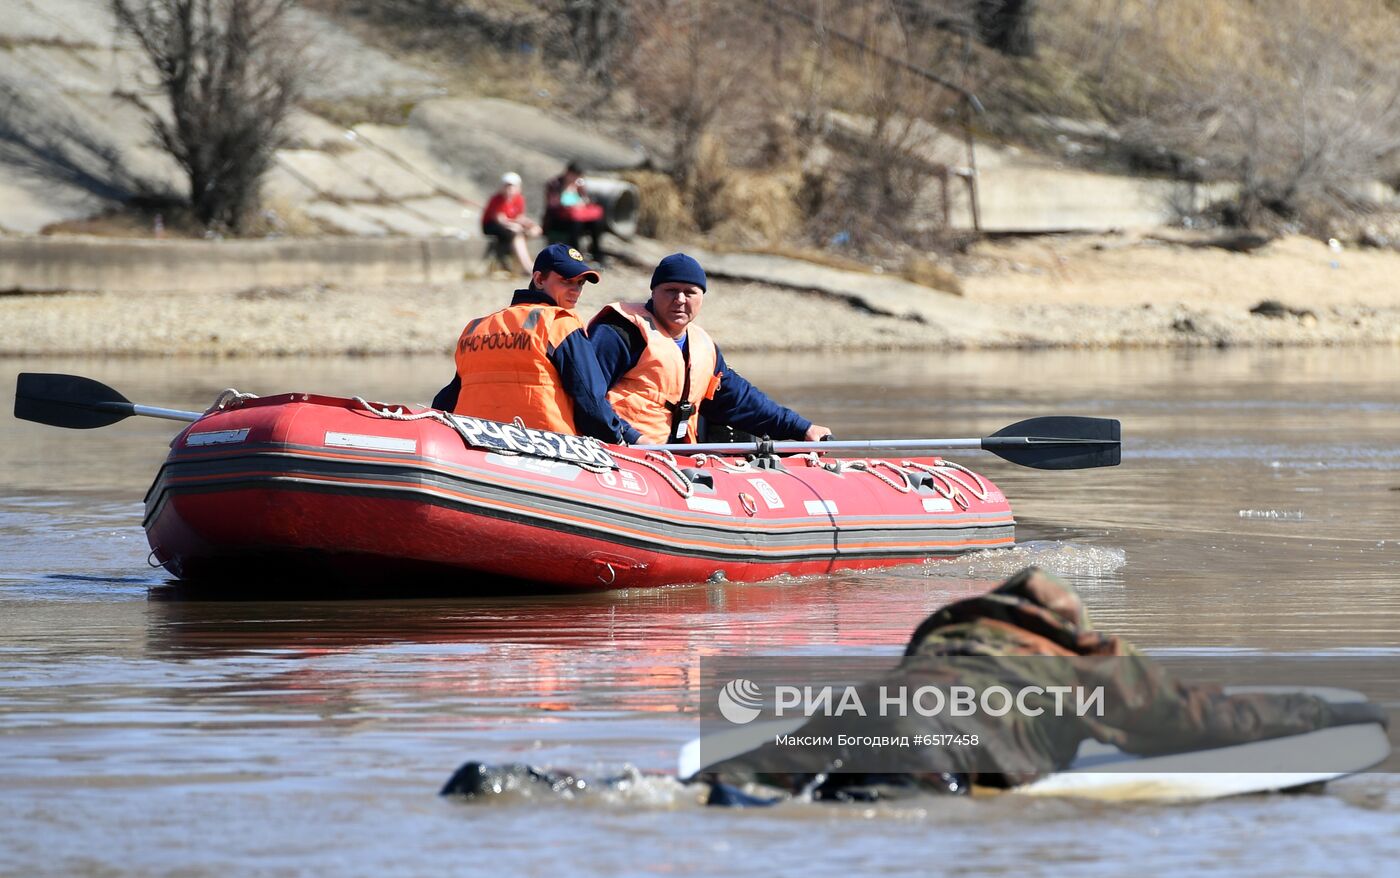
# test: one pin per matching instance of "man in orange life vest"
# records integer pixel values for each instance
(533, 361)
(663, 371)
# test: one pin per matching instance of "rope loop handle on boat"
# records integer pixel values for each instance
(949, 472)
(903, 486)
(948, 484)
(668, 469)
(980, 492)
(730, 466)
(229, 398)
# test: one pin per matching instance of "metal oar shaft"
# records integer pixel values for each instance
(989, 442)
(146, 411)
(837, 445)
(151, 411)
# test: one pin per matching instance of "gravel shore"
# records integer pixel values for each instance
(1104, 291)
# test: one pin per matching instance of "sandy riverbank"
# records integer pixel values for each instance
(1082, 291)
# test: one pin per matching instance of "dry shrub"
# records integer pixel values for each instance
(1293, 101)
(283, 218)
(704, 183)
(759, 208)
(871, 194)
(739, 93)
(739, 206)
(528, 79)
(350, 111)
(690, 71)
(135, 220)
(663, 213)
(920, 269)
(747, 208)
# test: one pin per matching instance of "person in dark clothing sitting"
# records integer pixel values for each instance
(570, 215)
(664, 372)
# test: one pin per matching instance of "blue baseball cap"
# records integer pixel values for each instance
(678, 268)
(567, 262)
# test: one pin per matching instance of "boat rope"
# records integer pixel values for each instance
(980, 492)
(868, 466)
(946, 481)
(671, 472)
(903, 486)
(940, 482)
(398, 413)
(229, 398)
(729, 466)
(811, 458)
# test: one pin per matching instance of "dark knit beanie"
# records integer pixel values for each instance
(678, 268)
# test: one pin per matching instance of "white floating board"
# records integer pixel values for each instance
(1101, 771)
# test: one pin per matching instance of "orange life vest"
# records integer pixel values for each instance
(503, 362)
(645, 397)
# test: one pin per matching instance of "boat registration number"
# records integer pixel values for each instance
(510, 439)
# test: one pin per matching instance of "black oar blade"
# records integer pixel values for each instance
(68, 401)
(1059, 442)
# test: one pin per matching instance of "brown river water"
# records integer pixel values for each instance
(1257, 511)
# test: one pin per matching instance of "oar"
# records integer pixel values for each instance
(80, 403)
(1056, 442)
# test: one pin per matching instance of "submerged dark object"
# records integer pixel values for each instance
(479, 779)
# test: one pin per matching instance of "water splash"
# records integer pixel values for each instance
(1059, 557)
(1273, 514)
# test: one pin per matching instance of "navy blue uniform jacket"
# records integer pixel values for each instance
(582, 380)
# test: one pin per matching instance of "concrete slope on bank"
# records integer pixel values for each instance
(939, 315)
(75, 137)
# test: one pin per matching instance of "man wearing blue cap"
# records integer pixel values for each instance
(663, 372)
(532, 360)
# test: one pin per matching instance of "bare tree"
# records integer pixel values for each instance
(230, 73)
(598, 31)
(875, 190)
(1297, 142)
(690, 65)
(1291, 103)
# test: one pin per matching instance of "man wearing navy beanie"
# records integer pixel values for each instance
(664, 372)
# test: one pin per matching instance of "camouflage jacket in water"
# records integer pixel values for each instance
(1031, 631)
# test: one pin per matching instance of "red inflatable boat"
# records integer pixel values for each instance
(357, 492)
(335, 494)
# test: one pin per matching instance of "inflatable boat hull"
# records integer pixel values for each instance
(309, 486)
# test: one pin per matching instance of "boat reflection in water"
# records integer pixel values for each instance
(627, 650)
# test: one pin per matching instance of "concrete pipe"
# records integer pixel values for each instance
(620, 200)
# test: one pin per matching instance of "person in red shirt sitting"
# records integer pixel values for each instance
(504, 219)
